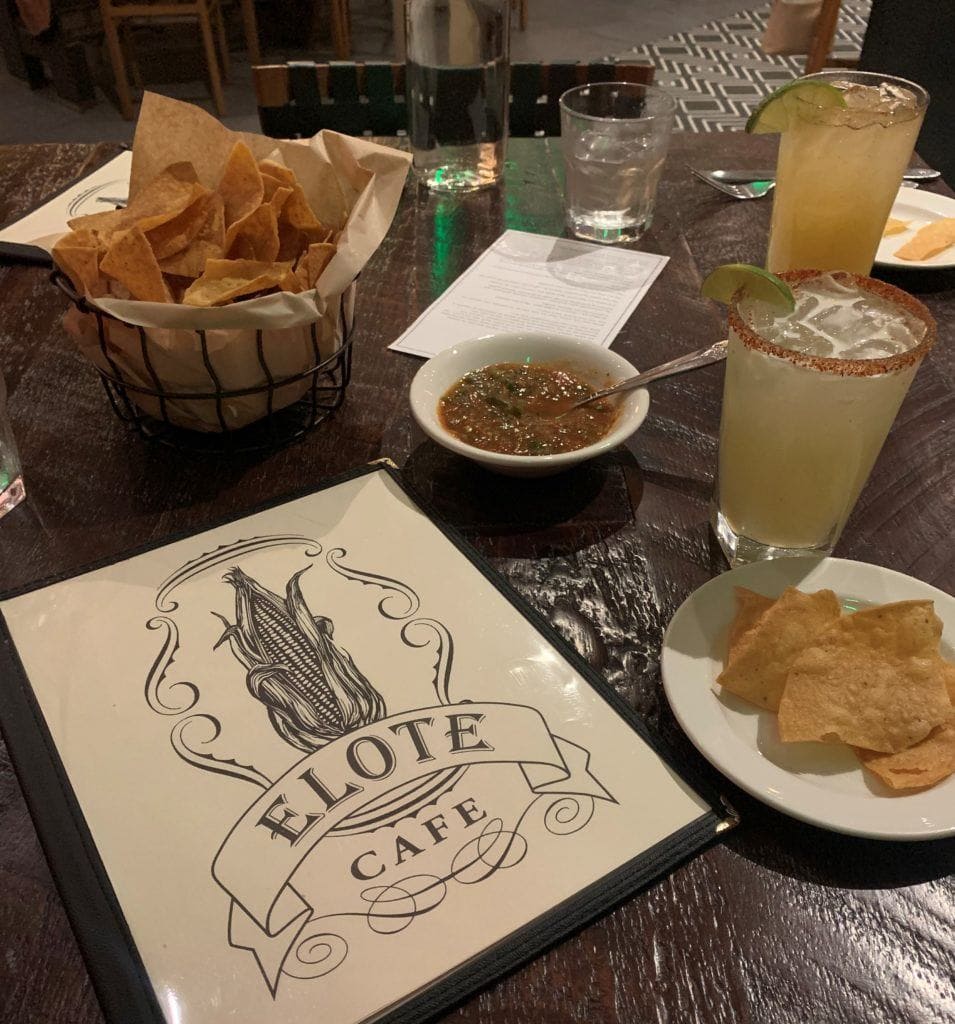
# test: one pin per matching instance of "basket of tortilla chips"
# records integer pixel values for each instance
(223, 292)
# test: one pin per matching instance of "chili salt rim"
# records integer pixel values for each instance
(843, 367)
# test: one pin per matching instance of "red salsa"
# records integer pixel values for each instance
(524, 409)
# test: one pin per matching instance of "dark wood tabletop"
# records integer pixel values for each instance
(780, 923)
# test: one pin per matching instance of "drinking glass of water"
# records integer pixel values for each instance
(457, 84)
(615, 137)
(11, 476)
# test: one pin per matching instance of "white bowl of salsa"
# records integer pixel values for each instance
(498, 401)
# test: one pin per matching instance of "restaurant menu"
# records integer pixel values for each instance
(528, 283)
(320, 759)
(104, 189)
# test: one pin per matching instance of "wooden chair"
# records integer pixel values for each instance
(341, 26)
(119, 16)
(299, 98)
(820, 48)
(60, 52)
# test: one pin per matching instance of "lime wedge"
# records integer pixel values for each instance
(775, 112)
(724, 283)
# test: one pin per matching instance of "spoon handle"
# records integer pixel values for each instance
(682, 364)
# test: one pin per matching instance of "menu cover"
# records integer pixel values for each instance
(321, 760)
(103, 189)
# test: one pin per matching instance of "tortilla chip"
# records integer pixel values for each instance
(948, 677)
(749, 608)
(176, 234)
(764, 655)
(872, 680)
(281, 173)
(130, 261)
(929, 240)
(241, 185)
(925, 764)
(78, 254)
(298, 214)
(270, 186)
(208, 244)
(291, 283)
(278, 197)
(102, 224)
(313, 261)
(164, 198)
(148, 221)
(254, 237)
(224, 280)
(894, 227)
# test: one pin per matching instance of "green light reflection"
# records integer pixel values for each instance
(448, 236)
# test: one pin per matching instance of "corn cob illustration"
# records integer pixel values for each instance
(311, 687)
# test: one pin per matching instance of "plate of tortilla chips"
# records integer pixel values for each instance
(920, 232)
(825, 689)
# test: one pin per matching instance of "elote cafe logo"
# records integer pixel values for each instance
(401, 806)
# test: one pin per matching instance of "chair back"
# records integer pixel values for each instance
(299, 98)
(913, 39)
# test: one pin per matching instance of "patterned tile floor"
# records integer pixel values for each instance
(719, 73)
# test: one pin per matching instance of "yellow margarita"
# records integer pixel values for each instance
(808, 400)
(839, 169)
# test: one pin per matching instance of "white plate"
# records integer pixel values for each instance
(822, 783)
(920, 208)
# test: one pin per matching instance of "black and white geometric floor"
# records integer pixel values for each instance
(719, 73)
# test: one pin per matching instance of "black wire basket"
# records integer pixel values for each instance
(324, 382)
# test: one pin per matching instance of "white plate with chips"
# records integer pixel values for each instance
(822, 783)
(917, 208)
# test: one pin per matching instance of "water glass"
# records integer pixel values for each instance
(457, 86)
(615, 137)
(11, 476)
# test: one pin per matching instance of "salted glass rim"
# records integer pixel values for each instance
(649, 90)
(752, 339)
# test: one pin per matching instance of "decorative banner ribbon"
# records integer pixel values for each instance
(278, 832)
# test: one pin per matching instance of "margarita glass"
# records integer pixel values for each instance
(808, 400)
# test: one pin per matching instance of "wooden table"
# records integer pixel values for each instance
(780, 922)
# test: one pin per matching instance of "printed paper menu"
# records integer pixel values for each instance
(527, 282)
(104, 189)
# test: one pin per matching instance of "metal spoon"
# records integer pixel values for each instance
(682, 364)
